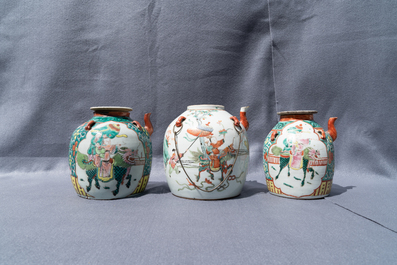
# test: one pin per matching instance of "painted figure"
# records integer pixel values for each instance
(296, 155)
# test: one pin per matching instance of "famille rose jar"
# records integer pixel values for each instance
(206, 153)
(110, 156)
(299, 156)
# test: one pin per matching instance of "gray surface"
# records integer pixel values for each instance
(48, 223)
(58, 59)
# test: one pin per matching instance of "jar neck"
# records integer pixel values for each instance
(290, 117)
(112, 113)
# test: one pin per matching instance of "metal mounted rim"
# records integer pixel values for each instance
(297, 112)
(111, 108)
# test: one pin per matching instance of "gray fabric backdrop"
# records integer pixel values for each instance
(58, 58)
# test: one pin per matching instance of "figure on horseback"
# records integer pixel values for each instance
(296, 155)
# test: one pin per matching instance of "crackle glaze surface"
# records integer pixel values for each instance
(213, 154)
(299, 161)
(111, 160)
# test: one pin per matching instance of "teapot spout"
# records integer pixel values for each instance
(331, 128)
(243, 117)
(148, 123)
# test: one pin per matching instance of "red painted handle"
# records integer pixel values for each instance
(90, 124)
(137, 124)
(274, 135)
(236, 122)
(179, 121)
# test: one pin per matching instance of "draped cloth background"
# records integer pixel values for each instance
(58, 58)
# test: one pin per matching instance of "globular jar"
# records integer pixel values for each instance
(110, 156)
(206, 153)
(298, 156)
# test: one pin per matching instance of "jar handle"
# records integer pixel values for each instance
(137, 124)
(236, 121)
(181, 119)
(274, 135)
(321, 133)
(89, 125)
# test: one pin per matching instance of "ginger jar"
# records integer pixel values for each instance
(298, 156)
(110, 155)
(206, 153)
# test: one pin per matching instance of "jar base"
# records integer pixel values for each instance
(200, 199)
(110, 199)
(299, 198)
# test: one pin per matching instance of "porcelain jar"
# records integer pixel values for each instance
(110, 155)
(206, 153)
(298, 156)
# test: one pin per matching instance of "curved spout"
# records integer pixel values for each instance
(148, 123)
(243, 117)
(331, 128)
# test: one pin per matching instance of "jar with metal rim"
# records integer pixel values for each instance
(298, 156)
(110, 155)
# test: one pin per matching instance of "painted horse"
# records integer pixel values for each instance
(209, 165)
(120, 168)
(286, 160)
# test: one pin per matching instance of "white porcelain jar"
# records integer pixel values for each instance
(206, 153)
